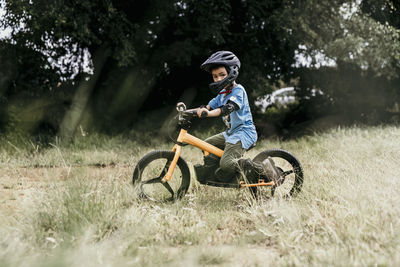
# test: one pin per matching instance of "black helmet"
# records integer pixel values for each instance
(227, 59)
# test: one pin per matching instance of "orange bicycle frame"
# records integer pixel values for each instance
(185, 137)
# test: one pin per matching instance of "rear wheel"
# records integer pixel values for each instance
(151, 169)
(290, 169)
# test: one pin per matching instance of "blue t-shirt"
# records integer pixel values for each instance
(240, 125)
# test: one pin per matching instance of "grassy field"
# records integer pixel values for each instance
(74, 206)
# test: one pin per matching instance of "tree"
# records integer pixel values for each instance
(150, 51)
(365, 51)
(162, 42)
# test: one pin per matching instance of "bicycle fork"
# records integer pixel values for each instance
(177, 149)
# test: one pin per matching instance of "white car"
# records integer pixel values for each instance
(280, 97)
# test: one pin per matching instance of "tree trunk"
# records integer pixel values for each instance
(80, 100)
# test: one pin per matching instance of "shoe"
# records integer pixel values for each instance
(271, 172)
(206, 171)
(200, 173)
(254, 171)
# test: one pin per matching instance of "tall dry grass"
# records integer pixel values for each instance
(346, 215)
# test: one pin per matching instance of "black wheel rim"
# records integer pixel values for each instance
(287, 186)
(153, 188)
(291, 171)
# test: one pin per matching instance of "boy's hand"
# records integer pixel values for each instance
(202, 112)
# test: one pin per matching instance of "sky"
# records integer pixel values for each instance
(3, 32)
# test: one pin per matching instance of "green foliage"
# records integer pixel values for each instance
(29, 68)
(348, 90)
(341, 31)
(66, 28)
(384, 11)
(145, 54)
(363, 83)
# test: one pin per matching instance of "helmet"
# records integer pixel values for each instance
(227, 59)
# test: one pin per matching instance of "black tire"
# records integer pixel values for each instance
(150, 170)
(290, 168)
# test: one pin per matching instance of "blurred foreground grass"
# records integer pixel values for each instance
(74, 205)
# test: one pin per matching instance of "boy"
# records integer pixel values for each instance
(232, 104)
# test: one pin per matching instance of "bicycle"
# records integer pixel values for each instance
(163, 175)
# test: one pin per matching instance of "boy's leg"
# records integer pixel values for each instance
(232, 163)
(229, 167)
(211, 162)
(217, 140)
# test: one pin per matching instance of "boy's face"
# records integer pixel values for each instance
(219, 74)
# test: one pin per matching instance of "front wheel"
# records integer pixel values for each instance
(290, 169)
(151, 169)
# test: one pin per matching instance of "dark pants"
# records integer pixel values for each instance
(228, 164)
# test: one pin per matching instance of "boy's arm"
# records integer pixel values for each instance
(202, 109)
(206, 109)
(210, 113)
(224, 110)
(196, 109)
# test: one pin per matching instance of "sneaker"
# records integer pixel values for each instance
(271, 172)
(252, 170)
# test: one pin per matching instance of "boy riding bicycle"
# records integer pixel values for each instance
(232, 104)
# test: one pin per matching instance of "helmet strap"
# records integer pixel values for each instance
(227, 90)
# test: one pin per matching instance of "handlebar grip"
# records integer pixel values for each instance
(204, 114)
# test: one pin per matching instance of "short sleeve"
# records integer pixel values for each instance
(214, 103)
(237, 96)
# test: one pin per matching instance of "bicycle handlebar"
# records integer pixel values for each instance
(190, 113)
(185, 116)
(180, 106)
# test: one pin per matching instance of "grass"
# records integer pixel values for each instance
(74, 205)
